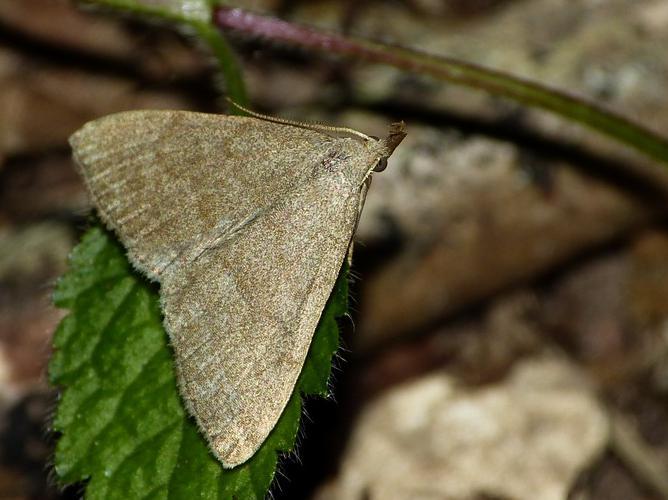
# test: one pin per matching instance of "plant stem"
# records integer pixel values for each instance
(495, 82)
(227, 63)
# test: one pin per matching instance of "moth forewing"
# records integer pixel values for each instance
(245, 223)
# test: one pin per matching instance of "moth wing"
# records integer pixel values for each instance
(168, 181)
(242, 315)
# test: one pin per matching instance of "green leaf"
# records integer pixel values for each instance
(121, 422)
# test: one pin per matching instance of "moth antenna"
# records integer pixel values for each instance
(308, 125)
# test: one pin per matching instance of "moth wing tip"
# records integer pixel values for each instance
(232, 452)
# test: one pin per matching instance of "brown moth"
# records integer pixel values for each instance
(244, 222)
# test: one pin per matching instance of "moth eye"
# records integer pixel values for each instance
(381, 165)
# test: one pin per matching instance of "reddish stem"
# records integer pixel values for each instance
(452, 70)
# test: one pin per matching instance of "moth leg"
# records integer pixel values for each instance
(364, 190)
(349, 255)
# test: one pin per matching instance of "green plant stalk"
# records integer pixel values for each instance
(227, 62)
(198, 20)
(495, 82)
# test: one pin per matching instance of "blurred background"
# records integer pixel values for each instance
(509, 330)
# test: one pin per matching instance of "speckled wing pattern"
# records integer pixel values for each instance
(254, 321)
(245, 223)
(167, 180)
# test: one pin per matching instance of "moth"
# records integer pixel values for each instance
(245, 222)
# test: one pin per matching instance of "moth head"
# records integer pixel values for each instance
(381, 149)
(394, 137)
